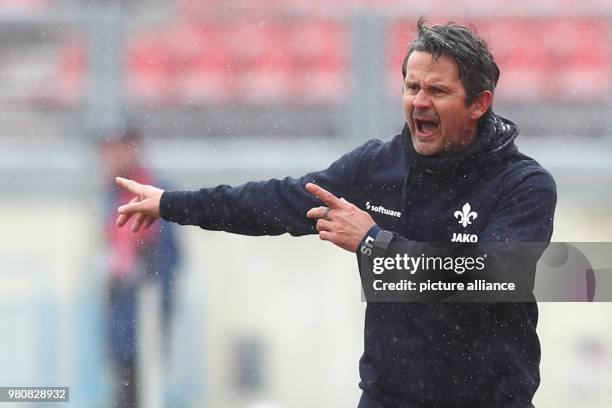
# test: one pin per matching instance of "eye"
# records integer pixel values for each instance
(412, 87)
(437, 91)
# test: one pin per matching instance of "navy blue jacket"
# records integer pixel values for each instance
(418, 354)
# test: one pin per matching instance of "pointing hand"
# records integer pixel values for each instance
(145, 206)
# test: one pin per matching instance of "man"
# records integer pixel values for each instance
(152, 254)
(454, 159)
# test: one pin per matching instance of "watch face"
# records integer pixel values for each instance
(383, 239)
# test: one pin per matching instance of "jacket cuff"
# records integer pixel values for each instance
(368, 238)
(174, 206)
(167, 205)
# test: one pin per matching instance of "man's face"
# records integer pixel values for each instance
(118, 159)
(434, 103)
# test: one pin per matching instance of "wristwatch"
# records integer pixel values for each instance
(376, 242)
(381, 242)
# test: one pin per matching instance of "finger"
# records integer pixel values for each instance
(123, 218)
(128, 184)
(326, 236)
(324, 225)
(346, 204)
(328, 198)
(131, 208)
(148, 222)
(316, 212)
(138, 221)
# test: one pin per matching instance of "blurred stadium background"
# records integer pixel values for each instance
(228, 91)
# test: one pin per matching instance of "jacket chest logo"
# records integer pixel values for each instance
(382, 210)
(465, 216)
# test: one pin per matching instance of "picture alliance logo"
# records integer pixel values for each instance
(382, 210)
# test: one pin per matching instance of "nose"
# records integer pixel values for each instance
(421, 100)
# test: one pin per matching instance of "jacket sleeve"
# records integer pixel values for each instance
(525, 214)
(270, 207)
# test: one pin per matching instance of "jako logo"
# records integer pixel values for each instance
(465, 218)
(466, 215)
(463, 237)
(382, 210)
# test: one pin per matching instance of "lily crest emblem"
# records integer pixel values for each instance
(466, 215)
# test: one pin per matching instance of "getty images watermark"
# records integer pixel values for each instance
(510, 272)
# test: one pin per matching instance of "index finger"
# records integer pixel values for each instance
(328, 198)
(128, 184)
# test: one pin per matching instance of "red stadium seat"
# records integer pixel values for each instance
(522, 57)
(260, 62)
(579, 49)
(240, 61)
(320, 61)
(202, 71)
(70, 86)
(149, 69)
(304, 60)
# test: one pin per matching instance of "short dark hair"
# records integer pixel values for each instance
(477, 68)
(127, 135)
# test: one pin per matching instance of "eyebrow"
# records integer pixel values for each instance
(439, 85)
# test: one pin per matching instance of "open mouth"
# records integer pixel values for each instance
(426, 127)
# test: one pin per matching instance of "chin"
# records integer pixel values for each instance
(425, 149)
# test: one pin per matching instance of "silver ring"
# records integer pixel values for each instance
(326, 214)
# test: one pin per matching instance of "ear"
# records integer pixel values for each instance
(481, 104)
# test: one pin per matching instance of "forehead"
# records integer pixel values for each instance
(423, 66)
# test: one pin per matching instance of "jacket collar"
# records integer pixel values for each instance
(494, 142)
